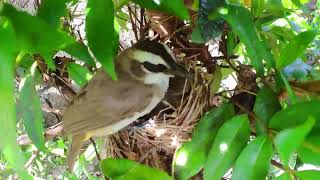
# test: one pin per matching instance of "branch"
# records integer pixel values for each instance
(32, 158)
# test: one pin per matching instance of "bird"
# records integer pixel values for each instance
(104, 106)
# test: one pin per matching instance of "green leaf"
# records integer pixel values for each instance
(288, 140)
(265, 107)
(101, 35)
(52, 10)
(295, 48)
(217, 77)
(35, 35)
(282, 33)
(292, 95)
(257, 7)
(196, 36)
(308, 175)
(176, 7)
(79, 74)
(122, 18)
(122, 169)
(229, 142)
(8, 52)
(231, 43)
(241, 22)
(274, 6)
(295, 115)
(309, 151)
(31, 108)
(80, 51)
(191, 156)
(226, 72)
(253, 162)
(284, 176)
(25, 62)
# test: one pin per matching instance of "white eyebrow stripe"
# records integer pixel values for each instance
(144, 56)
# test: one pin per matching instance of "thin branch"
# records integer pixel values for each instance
(95, 149)
(134, 26)
(32, 158)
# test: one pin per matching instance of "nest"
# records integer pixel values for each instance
(154, 139)
(154, 142)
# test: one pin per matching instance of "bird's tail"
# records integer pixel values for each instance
(74, 149)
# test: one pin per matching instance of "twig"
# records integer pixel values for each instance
(246, 110)
(95, 149)
(142, 11)
(280, 166)
(134, 26)
(223, 57)
(32, 158)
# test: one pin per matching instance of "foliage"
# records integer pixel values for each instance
(126, 169)
(270, 37)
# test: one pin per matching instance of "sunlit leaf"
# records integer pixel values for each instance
(253, 162)
(176, 7)
(122, 18)
(31, 108)
(229, 142)
(101, 35)
(258, 7)
(285, 176)
(295, 48)
(288, 140)
(52, 10)
(8, 51)
(216, 81)
(273, 5)
(265, 107)
(79, 74)
(309, 151)
(191, 156)
(122, 169)
(241, 22)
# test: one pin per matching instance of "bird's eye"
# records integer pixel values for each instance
(154, 67)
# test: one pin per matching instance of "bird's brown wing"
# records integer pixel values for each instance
(104, 101)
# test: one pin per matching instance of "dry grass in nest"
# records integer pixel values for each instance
(155, 142)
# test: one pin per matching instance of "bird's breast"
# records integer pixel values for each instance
(160, 89)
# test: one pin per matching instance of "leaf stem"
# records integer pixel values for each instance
(292, 96)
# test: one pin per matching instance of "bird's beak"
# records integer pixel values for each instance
(178, 70)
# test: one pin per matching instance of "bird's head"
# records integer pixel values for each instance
(153, 60)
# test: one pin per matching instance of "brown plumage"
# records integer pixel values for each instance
(105, 106)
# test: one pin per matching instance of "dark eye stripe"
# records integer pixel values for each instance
(156, 48)
(154, 67)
